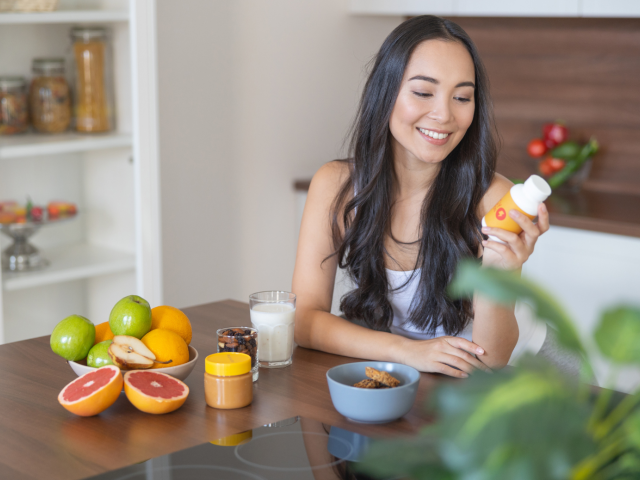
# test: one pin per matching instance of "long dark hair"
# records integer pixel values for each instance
(450, 229)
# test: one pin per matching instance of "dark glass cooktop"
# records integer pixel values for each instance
(294, 449)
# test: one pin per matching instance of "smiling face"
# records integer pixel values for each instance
(435, 104)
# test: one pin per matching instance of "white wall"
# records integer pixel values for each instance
(253, 95)
(197, 164)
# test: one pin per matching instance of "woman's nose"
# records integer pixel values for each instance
(440, 111)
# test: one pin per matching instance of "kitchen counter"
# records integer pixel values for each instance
(40, 439)
(616, 213)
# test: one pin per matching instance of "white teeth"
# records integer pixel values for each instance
(436, 135)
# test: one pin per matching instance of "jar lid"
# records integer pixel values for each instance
(227, 364)
(12, 82)
(88, 33)
(47, 64)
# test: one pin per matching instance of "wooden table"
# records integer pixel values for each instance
(40, 439)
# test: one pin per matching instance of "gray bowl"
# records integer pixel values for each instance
(372, 405)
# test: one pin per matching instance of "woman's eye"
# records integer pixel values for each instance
(423, 95)
(463, 99)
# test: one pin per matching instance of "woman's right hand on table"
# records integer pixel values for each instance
(442, 354)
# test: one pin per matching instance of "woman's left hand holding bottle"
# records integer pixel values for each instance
(517, 248)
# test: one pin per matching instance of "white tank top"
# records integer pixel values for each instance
(401, 298)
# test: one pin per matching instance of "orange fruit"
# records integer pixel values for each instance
(170, 318)
(154, 392)
(93, 392)
(103, 332)
(166, 345)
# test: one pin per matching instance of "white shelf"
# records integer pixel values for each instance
(65, 16)
(32, 144)
(71, 263)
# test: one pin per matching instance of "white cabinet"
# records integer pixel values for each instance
(590, 272)
(498, 8)
(610, 8)
(502, 8)
(112, 248)
(402, 7)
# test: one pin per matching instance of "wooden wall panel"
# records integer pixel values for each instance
(583, 71)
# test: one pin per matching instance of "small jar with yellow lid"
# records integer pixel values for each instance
(228, 382)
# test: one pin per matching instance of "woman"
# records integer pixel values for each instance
(405, 208)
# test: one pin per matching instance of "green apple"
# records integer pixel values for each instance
(131, 316)
(73, 337)
(99, 355)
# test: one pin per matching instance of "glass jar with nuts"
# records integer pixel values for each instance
(240, 340)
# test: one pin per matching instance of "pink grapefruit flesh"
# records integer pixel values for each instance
(154, 392)
(93, 392)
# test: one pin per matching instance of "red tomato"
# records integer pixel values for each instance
(545, 167)
(556, 164)
(554, 134)
(536, 148)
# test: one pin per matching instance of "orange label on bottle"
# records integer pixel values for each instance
(498, 216)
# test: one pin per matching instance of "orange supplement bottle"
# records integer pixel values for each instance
(524, 197)
(228, 382)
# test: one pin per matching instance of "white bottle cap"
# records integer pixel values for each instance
(536, 189)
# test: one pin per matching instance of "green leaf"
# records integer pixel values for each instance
(506, 287)
(618, 334)
(505, 426)
(524, 389)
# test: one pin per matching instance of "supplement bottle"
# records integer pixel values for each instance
(525, 198)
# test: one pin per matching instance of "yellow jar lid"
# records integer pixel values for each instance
(234, 440)
(227, 364)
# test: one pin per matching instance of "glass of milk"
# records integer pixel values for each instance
(273, 314)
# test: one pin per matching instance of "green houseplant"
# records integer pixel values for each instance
(529, 422)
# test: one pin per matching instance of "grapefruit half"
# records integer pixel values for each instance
(154, 392)
(93, 392)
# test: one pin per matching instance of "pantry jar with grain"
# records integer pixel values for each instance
(93, 106)
(49, 96)
(14, 113)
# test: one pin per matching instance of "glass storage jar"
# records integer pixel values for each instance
(49, 99)
(228, 382)
(240, 340)
(14, 112)
(93, 107)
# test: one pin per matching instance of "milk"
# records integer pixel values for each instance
(274, 322)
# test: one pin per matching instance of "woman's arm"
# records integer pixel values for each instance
(495, 327)
(313, 282)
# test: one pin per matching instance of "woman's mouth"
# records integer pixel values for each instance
(436, 138)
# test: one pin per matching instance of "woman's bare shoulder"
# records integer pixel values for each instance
(328, 180)
(498, 188)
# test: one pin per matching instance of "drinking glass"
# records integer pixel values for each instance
(273, 314)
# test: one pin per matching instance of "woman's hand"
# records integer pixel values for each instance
(441, 354)
(518, 247)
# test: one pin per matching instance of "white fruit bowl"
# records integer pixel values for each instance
(180, 372)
